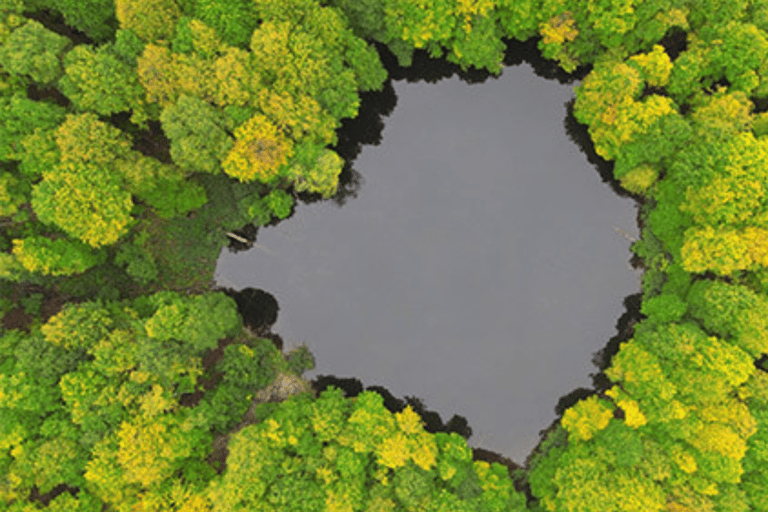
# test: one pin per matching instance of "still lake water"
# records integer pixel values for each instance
(478, 268)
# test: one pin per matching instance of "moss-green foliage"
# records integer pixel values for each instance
(277, 203)
(300, 360)
(94, 17)
(197, 131)
(137, 262)
(664, 308)
(233, 20)
(247, 368)
(20, 118)
(174, 197)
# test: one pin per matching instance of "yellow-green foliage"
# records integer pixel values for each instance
(236, 80)
(318, 172)
(165, 75)
(151, 20)
(559, 29)
(722, 115)
(258, 152)
(39, 254)
(655, 66)
(640, 179)
(586, 417)
(729, 212)
(31, 50)
(87, 202)
(421, 21)
(114, 422)
(330, 453)
(298, 117)
(10, 194)
(100, 82)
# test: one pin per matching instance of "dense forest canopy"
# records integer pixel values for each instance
(136, 134)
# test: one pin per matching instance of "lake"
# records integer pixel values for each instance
(478, 266)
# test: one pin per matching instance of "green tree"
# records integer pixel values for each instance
(20, 117)
(94, 17)
(731, 311)
(477, 42)
(200, 321)
(33, 51)
(99, 81)
(315, 169)
(518, 19)
(664, 308)
(247, 368)
(55, 257)
(198, 134)
(234, 21)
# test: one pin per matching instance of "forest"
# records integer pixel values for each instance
(136, 134)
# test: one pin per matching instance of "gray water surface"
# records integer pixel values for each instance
(478, 268)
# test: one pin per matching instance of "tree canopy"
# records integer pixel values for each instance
(135, 134)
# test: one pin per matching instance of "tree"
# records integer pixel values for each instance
(151, 21)
(584, 480)
(99, 81)
(19, 118)
(419, 23)
(165, 75)
(247, 368)
(704, 369)
(55, 257)
(586, 417)
(664, 308)
(298, 49)
(174, 197)
(731, 311)
(200, 321)
(94, 17)
(654, 66)
(87, 202)
(234, 21)
(258, 152)
(237, 81)
(34, 51)
(722, 115)
(477, 43)
(315, 169)
(198, 134)
(299, 117)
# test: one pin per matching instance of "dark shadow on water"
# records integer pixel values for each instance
(366, 128)
(258, 310)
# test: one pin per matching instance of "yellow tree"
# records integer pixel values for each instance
(258, 152)
(150, 20)
(86, 201)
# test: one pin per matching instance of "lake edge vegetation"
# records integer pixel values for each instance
(136, 135)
